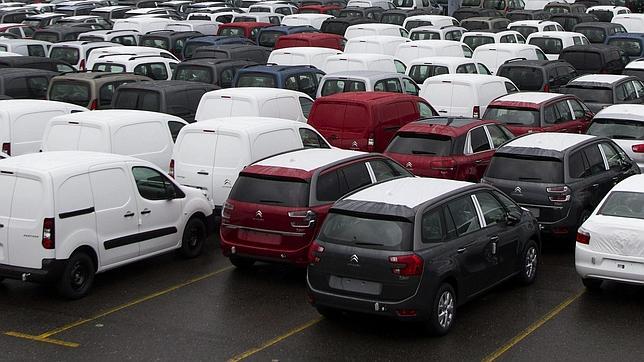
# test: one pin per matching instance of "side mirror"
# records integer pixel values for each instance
(170, 192)
(512, 218)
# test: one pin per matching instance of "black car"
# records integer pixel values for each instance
(538, 75)
(14, 16)
(372, 13)
(415, 249)
(339, 25)
(562, 7)
(254, 53)
(219, 72)
(206, 40)
(44, 63)
(60, 33)
(635, 69)
(559, 177)
(172, 41)
(472, 12)
(597, 32)
(21, 83)
(595, 58)
(568, 21)
(176, 97)
(398, 16)
(517, 15)
(267, 37)
(603, 14)
(602, 90)
(494, 24)
(40, 21)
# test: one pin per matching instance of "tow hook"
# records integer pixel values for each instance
(25, 276)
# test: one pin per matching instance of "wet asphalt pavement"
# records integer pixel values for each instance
(168, 308)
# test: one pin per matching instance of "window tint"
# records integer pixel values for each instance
(625, 92)
(306, 105)
(478, 140)
(421, 144)
(36, 51)
(271, 191)
(578, 109)
(507, 202)
(498, 135)
(483, 69)
(624, 129)
(510, 88)
(432, 230)
(388, 85)
(466, 68)
(421, 72)
(411, 87)
(310, 139)
(425, 110)
(550, 116)
(563, 112)
(175, 127)
(577, 166)
(464, 215)
(527, 168)
(493, 211)
(383, 234)
(613, 157)
(400, 66)
(334, 86)
(156, 71)
(384, 169)
(37, 87)
(330, 186)
(356, 175)
(152, 185)
(595, 160)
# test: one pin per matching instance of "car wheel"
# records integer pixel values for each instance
(78, 276)
(529, 264)
(443, 311)
(592, 284)
(329, 313)
(194, 236)
(241, 263)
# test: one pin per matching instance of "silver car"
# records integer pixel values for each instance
(366, 80)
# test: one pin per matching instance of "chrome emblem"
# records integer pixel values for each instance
(517, 190)
(354, 259)
(409, 165)
(226, 182)
(259, 215)
(354, 144)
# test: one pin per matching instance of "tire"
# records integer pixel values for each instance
(194, 237)
(241, 263)
(78, 276)
(594, 285)
(529, 264)
(443, 311)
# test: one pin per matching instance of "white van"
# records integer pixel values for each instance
(378, 44)
(429, 48)
(146, 135)
(344, 62)
(315, 56)
(314, 20)
(423, 68)
(429, 20)
(527, 27)
(474, 39)
(142, 24)
(254, 102)
(130, 50)
(205, 27)
(23, 122)
(372, 29)
(123, 37)
(76, 52)
(29, 47)
(155, 67)
(69, 215)
(553, 42)
(633, 23)
(464, 95)
(3, 155)
(493, 55)
(210, 154)
(385, 4)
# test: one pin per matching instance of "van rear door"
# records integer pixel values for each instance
(7, 184)
(61, 136)
(194, 159)
(27, 130)
(230, 157)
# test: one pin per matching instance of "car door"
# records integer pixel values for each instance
(615, 162)
(160, 210)
(229, 161)
(116, 209)
(479, 152)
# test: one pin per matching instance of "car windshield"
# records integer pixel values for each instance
(256, 80)
(623, 204)
(525, 30)
(474, 3)
(557, 10)
(513, 116)
(548, 45)
(160, 43)
(367, 231)
(526, 78)
(621, 129)
(397, 19)
(333, 86)
(335, 27)
(417, 23)
(108, 67)
(194, 74)
(268, 38)
(69, 55)
(278, 191)
(232, 31)
(631, 47)
(591, 94)
(582, 60)
(476, 41)
(32, 23)
(594, 35)
(421, 144)
(71, 92)
(525, 168)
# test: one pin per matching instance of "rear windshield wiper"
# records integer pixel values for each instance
(368, 244)
(529, 178)
(271, 202)
(623, 137)
(417, 152)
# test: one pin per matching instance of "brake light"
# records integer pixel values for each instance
(635, 148)
(476, 112)
(443, 165)
(93, 105)
(371, 142)
(583, 237)
(81, 66)
(546, 88)
(171, 169)
(303, 219)
(227, 210)
(314, 252)
(407, 265)
(561, 193)
(49, 234)
(6, 148)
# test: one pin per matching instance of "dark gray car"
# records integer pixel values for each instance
(601, 90)
(416, 248)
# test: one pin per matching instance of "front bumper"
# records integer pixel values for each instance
(51, 271)
(598, 265)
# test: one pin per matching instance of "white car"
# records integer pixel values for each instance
(422, 68)
(123, 37)
(450, 32)
(493, 55)
(634, 23)
(36, 48)
(157, 68)
(345, 62)
(3, 155)
(374, 44)
(415, 21)
(314, 56)
(607, 12)
(553, 42)
(273, 18)
(361, 30)
(474, 39)
(527, 27)
(68, 215)
(273, 7)
(610, 243)
(75, 52)
(130, 50)
(314, 20)
(407, 52)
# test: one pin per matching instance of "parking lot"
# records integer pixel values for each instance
(168, 308)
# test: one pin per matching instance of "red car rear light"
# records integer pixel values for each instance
(476, 112)
(636, 148)
(315, 250)
(443, 165)
(583, 237)
(93, 105)
(49, 234)
(546, 88)
(227, 210)
(171, 169)
(561, 193)
(6, 148)
(407, 265)
(303, 219)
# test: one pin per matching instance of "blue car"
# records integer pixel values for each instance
(267, 37)
(209, 40)
(631, 43)
(302, 78)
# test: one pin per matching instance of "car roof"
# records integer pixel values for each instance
(466, 78)
(555, 34)
(547, 141)
(596, 24)
(97, 75)
(118, 117)
(365, 97)
(407, 191)
(630, 184)
(449, 126)
(633, 112)
(26, 71)
(46, 162)
(534, 98)
(364, 74)
(599, 78)
(307, 160)
(306, 50)
(243, 124)
(168, 85)
(442, 60)
(256, 93)
(270, 68)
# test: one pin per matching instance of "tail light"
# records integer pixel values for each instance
(303, 219)
(476, 112)
(407, 265)
(546, 88)
(315, 250)
(443, 165)
(171, 169)
(49, 234)
(6, 148)
(93, 105)
(227, 210)
(371, 142)
(635, 148)
(82, 65)
(583, 237)
(560, 193)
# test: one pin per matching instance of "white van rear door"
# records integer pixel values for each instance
(463, 100)
(7, 183)
(28, 130)
(274, 142)
(194, 159)
(62, 137)
(230, 157)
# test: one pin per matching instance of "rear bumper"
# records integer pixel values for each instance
(51, 271)
(593, 264)
(562, 228)
(298, 257)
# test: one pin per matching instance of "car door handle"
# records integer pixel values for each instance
(202, 173)
(145, 212)
(1, 226)
(494, 238)
(478, 161)
(595, 186)
(461, 250)
(442, 111)
(129, 214)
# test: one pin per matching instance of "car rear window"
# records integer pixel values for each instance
(334, 27)
(71, 92)
(392, 19)
(191, 47)
(367, 231)
(333, 86)
(421, 144)
(476, 41)
(526, 78)
(513, 116)
(526, 168)
(525, 30)
(271, 191)
(194, 74)
(425, 35)
(631, 47)
(138, 99)
(108, 67)
(256, 80)
(591, 94)
(69, 55)
(268, 38)
(475, 25)
(594, 35)
(621, 129)
(548, 45)
(160, 43)
(417, 23)
(624, 204)
(583, 60)
(46, 36)
(421, 72)
(233, 31)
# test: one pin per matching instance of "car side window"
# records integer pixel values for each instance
(152, 185)
(511, 88)
(498, 135)
(493, 211)
(432, 227)
(36, 51)
(175, 127)
(576, 40)
(356, 175)
(410, 86)
(291, 83)
(384, 170)
(388, 85)
(466, 68)
(563, 112)
(400, 66)
(306, 105)
(508, 39)
(613, 157)
(425, 111)
(483, 69)
(577, 165)
(577, 108)
(639, 88)
(478, 140)
(310, 139)
(510, 205)
(330, 187)
(37, 86)
(550, 116)
(595, 160)
(464, 215)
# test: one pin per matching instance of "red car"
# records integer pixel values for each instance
(243, 29)
(320, 9)
(452, 148)
(526, 112)
(322, 40)
(278, 204)
(366, 121)
(20, 30)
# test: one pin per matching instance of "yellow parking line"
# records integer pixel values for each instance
(44, 337)
(275, 340)
(533, 327)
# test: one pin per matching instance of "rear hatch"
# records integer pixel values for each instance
(426, 155)
(65, 53)
(194, 158)
(628, 134)
(357, 257)
(518, 120)
(70, 91)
